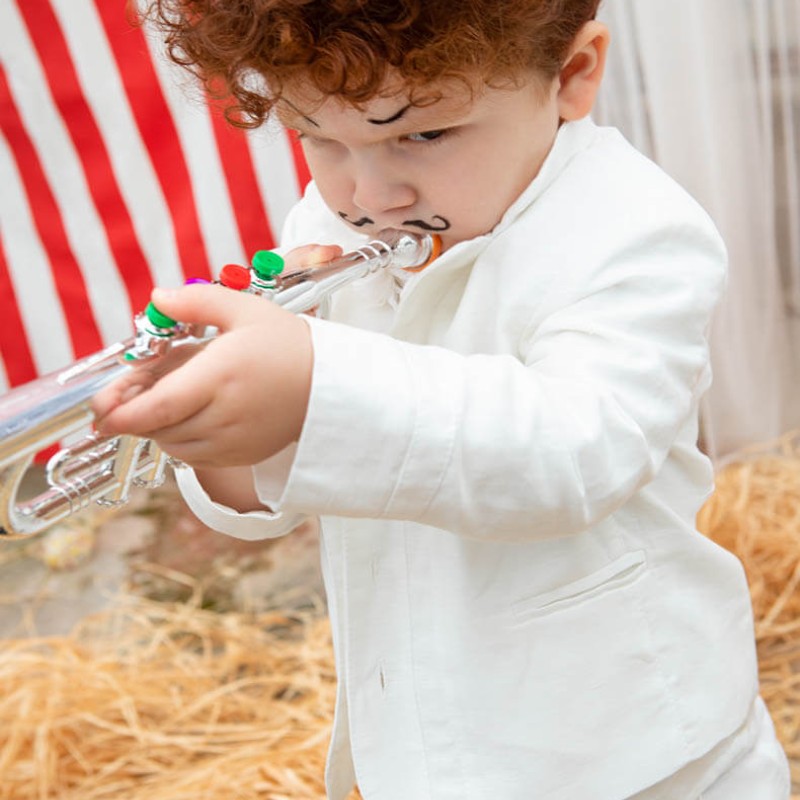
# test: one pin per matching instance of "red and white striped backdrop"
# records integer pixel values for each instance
(114, 176)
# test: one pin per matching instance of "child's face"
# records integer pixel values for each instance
(453, 166)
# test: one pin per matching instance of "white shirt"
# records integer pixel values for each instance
(508, 479)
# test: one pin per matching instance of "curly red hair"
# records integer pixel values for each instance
(254, 48)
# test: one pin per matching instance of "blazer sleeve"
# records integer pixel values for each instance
(544, 442)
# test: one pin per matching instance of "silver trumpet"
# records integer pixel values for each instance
(57, 406)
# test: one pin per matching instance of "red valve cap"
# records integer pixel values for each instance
(235, 277)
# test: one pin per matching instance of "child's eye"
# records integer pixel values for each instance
(426, 136)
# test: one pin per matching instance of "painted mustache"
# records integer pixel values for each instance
(359, 223)
(441, 225)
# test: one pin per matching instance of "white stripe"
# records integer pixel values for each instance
(65, 176)
(137, 180)
(275, 172)
(193, 122)
(31, 272)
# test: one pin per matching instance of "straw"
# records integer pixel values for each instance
(168, 700)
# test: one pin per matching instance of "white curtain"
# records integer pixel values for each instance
(710, 89)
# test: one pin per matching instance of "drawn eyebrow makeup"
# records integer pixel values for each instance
(373, 121)
(298, 112)
(393, 118)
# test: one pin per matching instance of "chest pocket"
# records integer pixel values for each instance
(621, 572)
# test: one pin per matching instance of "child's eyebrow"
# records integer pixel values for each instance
(393, 118)
(297, 111)
(374, 121)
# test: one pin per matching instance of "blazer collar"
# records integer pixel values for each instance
(571, 139)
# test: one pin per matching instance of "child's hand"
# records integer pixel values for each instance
(237, 401)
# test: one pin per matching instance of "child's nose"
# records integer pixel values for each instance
(376, 190)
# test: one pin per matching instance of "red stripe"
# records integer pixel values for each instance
(66, 89)
(14, 348)
(69, 281)
(251, 214)
(300, 165)
(159, 134)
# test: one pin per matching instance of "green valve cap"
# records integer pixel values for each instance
(157, 318)
(267, 264)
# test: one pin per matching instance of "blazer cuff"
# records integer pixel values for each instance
(250, 526)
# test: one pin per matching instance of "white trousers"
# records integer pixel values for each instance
(750, 764)
(762, 773)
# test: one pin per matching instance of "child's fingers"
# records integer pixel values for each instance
(209, 305)
(141, 377)
(116, 394)
(310, 255)
(148, 412)
(223, 308)
(145, 408)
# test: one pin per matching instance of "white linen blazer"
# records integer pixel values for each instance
(506, 469)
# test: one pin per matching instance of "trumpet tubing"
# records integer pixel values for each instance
(55, 407)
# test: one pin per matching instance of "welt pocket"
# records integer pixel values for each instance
(620, 572)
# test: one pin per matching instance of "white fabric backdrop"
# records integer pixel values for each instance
(710, 89)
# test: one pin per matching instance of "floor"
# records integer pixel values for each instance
(151, 546)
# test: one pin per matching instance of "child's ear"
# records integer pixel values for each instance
(582, 72)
